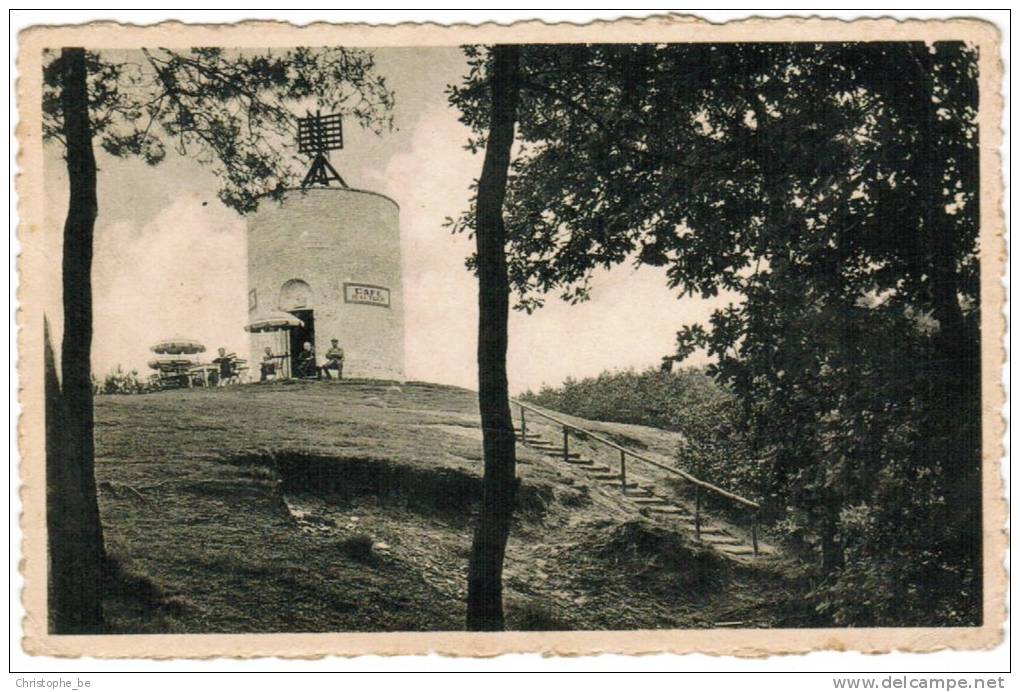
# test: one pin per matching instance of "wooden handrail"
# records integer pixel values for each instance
(609, 443)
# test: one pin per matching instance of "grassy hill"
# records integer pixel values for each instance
(314, 506)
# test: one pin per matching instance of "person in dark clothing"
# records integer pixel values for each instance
(225, 362)
(305, 365)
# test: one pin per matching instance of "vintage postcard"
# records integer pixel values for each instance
(639, 336)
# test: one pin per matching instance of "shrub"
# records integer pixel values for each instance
(119, 381)
(358, 547)
(650, 398)
(533, 616)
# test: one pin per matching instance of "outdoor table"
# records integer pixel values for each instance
(204, 369)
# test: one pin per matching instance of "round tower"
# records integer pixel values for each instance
(330, 256)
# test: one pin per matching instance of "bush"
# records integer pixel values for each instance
(358, 547)
(118, 381)
(652, 397)
(532, 616)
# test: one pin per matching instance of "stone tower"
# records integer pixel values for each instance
(330, 256)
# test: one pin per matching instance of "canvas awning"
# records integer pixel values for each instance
(177, 345)
(273, 322)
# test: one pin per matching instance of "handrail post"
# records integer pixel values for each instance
(697, 512)
(754, 532)
(623, 470)
(524, 428)
(566, 449)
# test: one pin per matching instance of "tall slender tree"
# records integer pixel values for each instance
(485, 571)
(75, 533)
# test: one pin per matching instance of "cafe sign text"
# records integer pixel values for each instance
(366, 294)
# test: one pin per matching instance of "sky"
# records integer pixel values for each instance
(170, 259)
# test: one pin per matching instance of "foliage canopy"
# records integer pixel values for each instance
(829, 193)
(231, 110)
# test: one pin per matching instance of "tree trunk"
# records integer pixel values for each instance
(75, 534)
(485, 573)
(832, 550)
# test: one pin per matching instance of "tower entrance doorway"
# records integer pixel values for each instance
(299, 336)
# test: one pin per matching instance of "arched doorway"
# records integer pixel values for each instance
(297, 299)
(296, 294)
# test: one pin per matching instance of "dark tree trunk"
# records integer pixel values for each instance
(832, 549)
(485, 576)
(75, 534)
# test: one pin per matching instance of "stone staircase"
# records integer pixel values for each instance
(646, 498)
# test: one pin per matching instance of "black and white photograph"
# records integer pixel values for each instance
(685, 332)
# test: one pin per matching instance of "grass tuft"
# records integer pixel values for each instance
(358, 547)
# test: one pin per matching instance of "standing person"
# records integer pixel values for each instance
(226, 363)
(334, 360)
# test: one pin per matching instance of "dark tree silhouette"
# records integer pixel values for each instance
(485, 575)
(75, 534)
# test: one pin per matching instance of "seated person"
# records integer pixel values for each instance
(225, 362)
(304, 362)
(268, 365)
(334, 360)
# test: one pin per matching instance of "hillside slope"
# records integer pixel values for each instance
(314, 506)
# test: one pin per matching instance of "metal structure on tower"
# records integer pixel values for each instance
(317, 135)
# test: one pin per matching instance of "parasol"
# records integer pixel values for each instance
(273, 322)
(178, 345)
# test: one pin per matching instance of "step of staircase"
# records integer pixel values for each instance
(539, 443)
(558, 452)
(736, 549)
(710, 531)
(613, 480)
(649, 500)
(581, 462)
(720, 539)
(596, 470)
(607, 476)
(665, 509)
